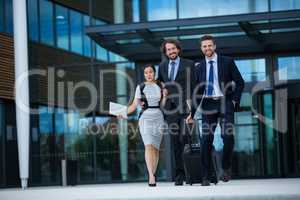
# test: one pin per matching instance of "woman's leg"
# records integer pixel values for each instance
(155, 159)
(150, 162)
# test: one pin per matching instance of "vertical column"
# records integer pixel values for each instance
(121, 91)
(21, 87)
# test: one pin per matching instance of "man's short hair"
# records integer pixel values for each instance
(207, 37)
(171, 41)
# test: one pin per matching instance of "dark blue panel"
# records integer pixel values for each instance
(8, 16)
(87, 41)
(33, 25)
(1, 15)
(46, 22)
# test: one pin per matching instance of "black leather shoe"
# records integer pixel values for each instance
(205, 182)
(226, 175)
(178, 182)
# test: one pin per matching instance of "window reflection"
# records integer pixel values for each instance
(86, 39)
(252, 70)
(288, 68)
(277, 5)
(62, 27)
(46, 22)
(203, 8)
(161, 10)
(76, 32)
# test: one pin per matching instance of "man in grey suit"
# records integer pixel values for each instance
(176, 73)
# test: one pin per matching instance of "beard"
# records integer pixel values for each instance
(209, 53)
(172, 56)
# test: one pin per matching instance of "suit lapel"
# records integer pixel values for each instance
(203, 78)
(165, 71)
(180, 68)
(220, 70)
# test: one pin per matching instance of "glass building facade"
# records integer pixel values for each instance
(108, 150)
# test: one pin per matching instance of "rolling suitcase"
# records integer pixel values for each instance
(192, 162)
(72, 170)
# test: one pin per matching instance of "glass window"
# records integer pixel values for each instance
(246, 99)
(289, 68)
(115, 57)
(86, 39)
(246, 158)
(46, 22)
(203, 8)
(269, 134)
(33, 20)
(60, 121)
(45, 119)
(101, 53)
(277, 5)
(8, 16)
(76, 32)
(1, 15)
(62, 27)
(136, 10)
(161, 10)
(252, 70)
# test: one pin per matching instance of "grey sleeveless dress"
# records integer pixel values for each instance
(151, 123)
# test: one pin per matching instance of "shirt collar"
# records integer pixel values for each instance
(176, 60)
(213, 59)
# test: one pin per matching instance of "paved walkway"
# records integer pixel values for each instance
(267, 189)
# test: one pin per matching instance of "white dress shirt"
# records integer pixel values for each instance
(216, 91)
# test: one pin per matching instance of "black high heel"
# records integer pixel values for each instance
(152, 184)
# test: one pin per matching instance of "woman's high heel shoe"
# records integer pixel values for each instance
(152, 184)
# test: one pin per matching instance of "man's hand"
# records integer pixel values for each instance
(189, 119)
(234, 103)
(165, 92)
(236, 106)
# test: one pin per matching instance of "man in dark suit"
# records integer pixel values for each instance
(175, 72)
(219, 86)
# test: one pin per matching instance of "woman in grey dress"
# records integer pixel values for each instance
(151, 121)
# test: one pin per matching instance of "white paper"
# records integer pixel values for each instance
(117, 109)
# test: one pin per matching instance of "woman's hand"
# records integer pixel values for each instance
(189, 119)
(120, 117)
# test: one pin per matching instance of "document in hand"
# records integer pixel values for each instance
(117, 109)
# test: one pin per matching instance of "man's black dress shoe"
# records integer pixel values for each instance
(178, 182)
(226, 175)
(205, 182)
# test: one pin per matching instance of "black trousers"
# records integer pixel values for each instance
(176, 129)
(216, 112)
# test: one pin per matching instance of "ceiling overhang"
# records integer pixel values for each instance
(235, 34)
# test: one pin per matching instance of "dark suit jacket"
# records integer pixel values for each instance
(181, 88)
(228, 73)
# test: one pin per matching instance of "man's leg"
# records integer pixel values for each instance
(227, 127)
(209, 123)
(174, 126)
(210, 115)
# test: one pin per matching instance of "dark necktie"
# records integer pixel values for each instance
(172, 73)
(210, 86)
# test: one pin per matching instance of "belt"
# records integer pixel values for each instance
(153, 107)
(213, 98)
